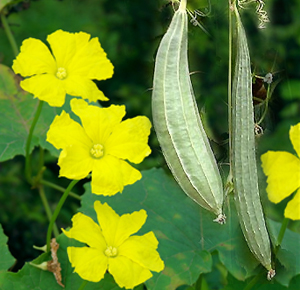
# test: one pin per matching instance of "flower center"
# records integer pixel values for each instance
(61, 73)
(97, 151)
(111, 251)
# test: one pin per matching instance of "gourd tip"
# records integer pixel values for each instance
(271, 274)
(220, 219)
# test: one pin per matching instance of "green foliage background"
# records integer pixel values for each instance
(130, 31)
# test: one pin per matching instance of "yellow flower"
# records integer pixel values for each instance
(100, 145)
(283, 171)
(75, 62)
(111, 247)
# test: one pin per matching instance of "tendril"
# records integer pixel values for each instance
(261, 13)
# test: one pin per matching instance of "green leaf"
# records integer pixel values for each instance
(294, 285)
(288, 254)
(17, 110)
(186, 232)
(290, 90)
(6, 259)
(30, 277)
(186, 235)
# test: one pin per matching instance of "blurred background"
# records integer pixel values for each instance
(130, 32)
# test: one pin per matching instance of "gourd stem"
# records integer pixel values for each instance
(182, 6)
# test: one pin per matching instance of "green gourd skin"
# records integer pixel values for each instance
(246, 191)
(177, 122)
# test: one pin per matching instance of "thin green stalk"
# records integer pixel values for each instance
(253, 282)
(266, 106)
(28, 142)
(230, 82)
(83, 285)
(198, 284)
(41, 159)
(283, 228)
(59, 188)
(57, 210)
(47, 209)
(229, 63)
(9, 35)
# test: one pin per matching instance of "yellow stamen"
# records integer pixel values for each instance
(97, 151)
(61, 73)
(111, 251)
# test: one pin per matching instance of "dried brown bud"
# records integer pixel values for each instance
(53, 265)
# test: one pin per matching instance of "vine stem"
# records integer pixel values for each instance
(59, 188)
(266, 106)
(9, 34)
(83, 285)
(28, 142)
(47, 209)
(230, 5)
(41, 159)
(253, 282)
(57, 210)
(283, 228)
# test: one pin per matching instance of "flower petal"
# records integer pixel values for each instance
(127, 273)
(46, 87)
(89, 263)
(80, 55)
(129, 140)
(34, 58)
(142, 250)
(292, 210)
(117, 229)
(85, 88)
(129, 173)
(91, 61)
(110, 175)
(64, 132)
(295, 137)
(85, 230)
(283, 171)
(97, 122)
(108, 220)
(75, 162)
(63, 46)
